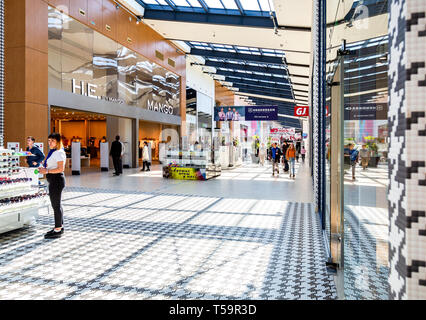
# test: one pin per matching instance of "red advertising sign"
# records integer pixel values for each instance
(301, 111)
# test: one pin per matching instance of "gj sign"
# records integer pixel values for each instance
(301, 111)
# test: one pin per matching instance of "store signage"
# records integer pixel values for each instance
(301, 111)
(244, 113)
(265, 113)
(291, 131)
(89, 90)
(366, 111)
(159, 107)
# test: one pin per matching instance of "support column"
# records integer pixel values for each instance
(26, 67)
(407, 134)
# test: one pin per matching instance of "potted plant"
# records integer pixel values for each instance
(255, 148)
(371, 143)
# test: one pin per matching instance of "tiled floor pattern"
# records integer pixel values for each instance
(134, 245)
(366, 234)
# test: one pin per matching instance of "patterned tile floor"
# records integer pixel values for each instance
(366, 235)
(155, 245)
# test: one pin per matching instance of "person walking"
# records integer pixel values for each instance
(262, 154)
(284, 150)
(364, 153)
(53, 168)
(37, 157)
(275, 157)
(116, 154)
(291, 157)
(303, 153)
(145, 157)
(353, 154)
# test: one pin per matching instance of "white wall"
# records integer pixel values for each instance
(197, 80)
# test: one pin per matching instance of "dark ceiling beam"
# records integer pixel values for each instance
(240, 7)
(259, 83)
(204, 5)
(265, 92)
(261, 86)
(212, 17)
(250, 76)
(170, 4)
(245, 67)
(237, 56)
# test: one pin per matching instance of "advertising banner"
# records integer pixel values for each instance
(180, 173)
(229, 113)
(366, 111)
(268, 113)
(234, 113)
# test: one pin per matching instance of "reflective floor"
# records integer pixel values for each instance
(366, 234)
(140, 236)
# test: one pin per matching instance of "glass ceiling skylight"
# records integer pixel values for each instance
(245, 5)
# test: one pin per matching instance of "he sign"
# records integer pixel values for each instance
(301, 111)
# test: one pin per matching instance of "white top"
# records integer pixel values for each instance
(58, 155)
(145, 154)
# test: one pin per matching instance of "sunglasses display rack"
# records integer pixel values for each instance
(20, 195)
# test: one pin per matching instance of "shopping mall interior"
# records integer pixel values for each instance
(268, 149)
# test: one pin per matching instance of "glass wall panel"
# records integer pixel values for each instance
(105, 69)
(357, 40)
(77, 55)
(55, 49)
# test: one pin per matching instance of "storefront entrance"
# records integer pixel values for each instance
(78, 126)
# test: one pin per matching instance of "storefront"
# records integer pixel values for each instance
(114, 90)
(77, 126)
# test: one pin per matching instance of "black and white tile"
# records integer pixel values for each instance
(128, 245)
(407, 129)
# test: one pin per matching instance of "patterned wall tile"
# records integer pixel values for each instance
(407, 130)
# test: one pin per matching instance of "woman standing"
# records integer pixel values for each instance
(291, 157)
(53, 168)
(145, 157)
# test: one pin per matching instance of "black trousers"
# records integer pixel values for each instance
(118, 165)
(145, 163)
(56, 185)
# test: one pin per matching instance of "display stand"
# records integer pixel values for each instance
(104, 156)
(76, 158)
(162, 153)
(20, 194)
(126, 156)
(190, 165)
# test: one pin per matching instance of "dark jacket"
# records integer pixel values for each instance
(115, 149)
(278, 154)
(38, 157)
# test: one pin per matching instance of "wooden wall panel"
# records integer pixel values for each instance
(36, 20)
(122, 27)
(133, 32)
(26, 70)
(14, 74)
(223, 96)
(109, 18)
(61, 5)
(76, 6)
(36, 76)
(94, 14)
(13, 17)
